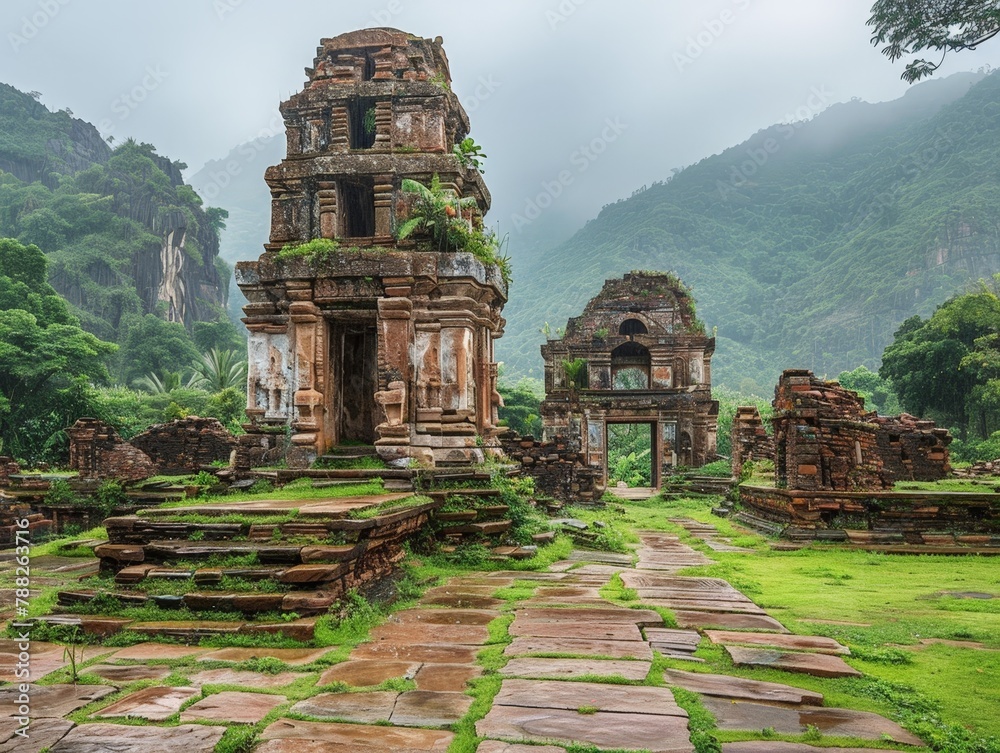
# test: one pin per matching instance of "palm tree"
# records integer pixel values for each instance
(154, 384)
(435, 212)
(218, 370)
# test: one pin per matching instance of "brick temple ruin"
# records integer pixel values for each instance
(381, 342)
(836, 466)
(637, 355)
(826, 440)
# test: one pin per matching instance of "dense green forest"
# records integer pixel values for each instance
(807, 245)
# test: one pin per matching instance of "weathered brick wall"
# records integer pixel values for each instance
(89, 440)
(750, 440)
(96, 451)
(186, 444)
(824, 439)
(11, 513)
(912, 449)
(8, 467)
(557, 467)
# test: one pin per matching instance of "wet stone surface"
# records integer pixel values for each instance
(42, 733)
(54, 700)
(818, 665)
(570, 668)
(244, 679)
(291, 656)
(151, 704)
(829, 721)
(551, 694)
(446, 677)
(232, 706)
(116, 738)
(571, 646)
(423, 708)
(659, 734)
(366, 673)
(815, 644)
(288, 736)
(726, 686)
(364, 708)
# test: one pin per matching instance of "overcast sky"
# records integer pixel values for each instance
(644, 85)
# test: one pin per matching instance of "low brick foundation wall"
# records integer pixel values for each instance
(919, 517)
(557, 468)
(187, 444)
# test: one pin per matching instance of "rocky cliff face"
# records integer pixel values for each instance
(170, 252)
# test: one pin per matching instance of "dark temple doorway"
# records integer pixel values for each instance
(355, 381)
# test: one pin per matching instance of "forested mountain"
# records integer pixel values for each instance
(124, 236)
(808, 244)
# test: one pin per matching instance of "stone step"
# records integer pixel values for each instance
(446, 495)
(461, 516)
(489, 528)
(300, 630)
(305, 603)
(818, 665)
(187, 630)
(816, 644)
(726, 686)
(767, 527)
(492, 512)
(169, 550)
(287, 475)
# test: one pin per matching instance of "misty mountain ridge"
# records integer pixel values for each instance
(808, 244)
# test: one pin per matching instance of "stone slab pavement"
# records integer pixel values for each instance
(574, 674)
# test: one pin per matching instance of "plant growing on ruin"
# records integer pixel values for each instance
(317, 249)
(437, 213)
(370, 121)
(576, 373)
(439, 80)
(470, 154)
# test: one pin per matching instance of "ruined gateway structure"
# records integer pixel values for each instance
(637, 355)
(379, 341)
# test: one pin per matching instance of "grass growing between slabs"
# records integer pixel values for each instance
(890, 610)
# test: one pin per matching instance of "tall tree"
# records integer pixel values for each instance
(906, 27)
(928, 360)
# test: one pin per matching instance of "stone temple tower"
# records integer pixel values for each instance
(357, 337)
